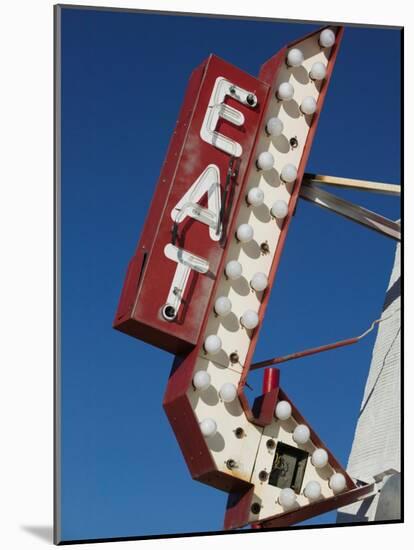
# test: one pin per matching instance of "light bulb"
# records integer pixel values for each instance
(274, 126)
(318, 71)
(244, 233)
(312, 490)
(279, 210)
(208, 427)
(265, 161)
(337, 483)
(327, 38)
(287, 498)
(222, 306)
(228, 392)
(259, 282)
(285, 91)
(288, 173)
(301, 434)
(319, 458)
(294, 58)
(233, 270)
(255, 196)
(212, 344)
(308, 105)
(201, 380)
(283, 410)
(249, 319)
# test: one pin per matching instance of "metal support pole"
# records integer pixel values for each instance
(297, 355)
(354, 212)
(357, 185)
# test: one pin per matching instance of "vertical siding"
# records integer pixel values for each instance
(376, 445)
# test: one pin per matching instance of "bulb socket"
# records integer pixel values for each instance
(270, 444)
(239, 433)
(251, 100)
(231, 464)
(293, 142)
(264, 247)
(168, 312)
(255, 508)
(234, 357)
(263, 476)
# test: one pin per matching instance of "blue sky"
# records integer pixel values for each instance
(123, 80)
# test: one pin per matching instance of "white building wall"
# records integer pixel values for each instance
(376, 446)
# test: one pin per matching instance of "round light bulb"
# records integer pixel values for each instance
(279, 210)
(308, 105)
(212, 344)
(259, 282)
(319, 458)
(222, 306)
(255, 196)
(337, 483)
(327, 38)
(288, 173)
(285, 91)
(201, 380)
(318, 71)
(283, 410)
(274, 126)
(301, 434)
(244, 233)
(233, 270)
(313, 490)
(287, 498)
(249, 319)
(228, 392)
(294, 58)
(208, 427)
(265, 161)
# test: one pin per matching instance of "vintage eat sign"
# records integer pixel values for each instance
(171, 278)
(199, 282)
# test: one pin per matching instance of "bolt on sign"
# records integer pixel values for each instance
(200, 280)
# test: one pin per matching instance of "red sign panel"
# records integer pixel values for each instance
(185, 234)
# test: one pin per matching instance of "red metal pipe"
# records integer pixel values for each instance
(297, 355)
(270, 380)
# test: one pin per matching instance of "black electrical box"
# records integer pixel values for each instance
(288, 467)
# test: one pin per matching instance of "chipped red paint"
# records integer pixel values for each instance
(238, 508)
(150, 273)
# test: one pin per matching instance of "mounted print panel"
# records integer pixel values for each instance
(214, 280)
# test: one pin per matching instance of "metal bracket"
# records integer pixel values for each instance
(351, 211)
(356, 185)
